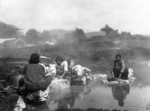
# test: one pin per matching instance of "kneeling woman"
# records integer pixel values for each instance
(119, 68)
(64, 67)
(35, 78)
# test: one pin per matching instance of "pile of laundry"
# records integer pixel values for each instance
(82, 74)
(111, 81)
(59, 84)
(98, 76)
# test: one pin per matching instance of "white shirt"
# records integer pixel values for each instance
(64, 64)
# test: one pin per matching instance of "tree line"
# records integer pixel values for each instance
(32, 36)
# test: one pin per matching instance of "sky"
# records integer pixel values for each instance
(90, 15)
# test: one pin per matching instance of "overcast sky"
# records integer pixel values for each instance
(90, 15)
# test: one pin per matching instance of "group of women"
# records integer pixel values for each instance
(36, 79)
(34, 73)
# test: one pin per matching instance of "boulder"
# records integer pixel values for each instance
(59, 84)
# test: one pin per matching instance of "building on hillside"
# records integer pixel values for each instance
(14, 43)
(19, 43)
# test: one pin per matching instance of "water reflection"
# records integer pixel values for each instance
(67, 101)
(129, 98)
(77, 92)
(38, 107)
(120, 92)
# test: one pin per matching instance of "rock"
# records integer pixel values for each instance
(59, 84)
(99, 76)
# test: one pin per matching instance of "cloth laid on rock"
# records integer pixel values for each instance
(80, 70)
(59, 84)
(80, 74)
(113, 80)
(98, 76)
(50, 69)
(130, 74)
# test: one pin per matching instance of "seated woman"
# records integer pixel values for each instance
(119, 69)
(34, 75)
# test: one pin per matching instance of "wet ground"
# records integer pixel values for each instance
(99, 96)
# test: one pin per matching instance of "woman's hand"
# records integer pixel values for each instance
(120, 75)
(112, 73)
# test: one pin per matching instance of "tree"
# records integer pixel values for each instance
(32, 36)
(111, 33)
(125, 34)
(46, 36)
(107, 29)
(79, 35)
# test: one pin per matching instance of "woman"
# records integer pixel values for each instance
(119, 68)
(65, 66)
(34, 75)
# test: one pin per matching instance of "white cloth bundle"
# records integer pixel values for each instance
(130, 79)
(20, 105)
(80, 70)
(59, 84)
(99, 76)
(51, 70)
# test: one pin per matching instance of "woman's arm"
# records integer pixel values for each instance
(122, 69)
(65, 68)
(123, 66)
(111, 68)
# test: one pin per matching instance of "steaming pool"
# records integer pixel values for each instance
(99, 96)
